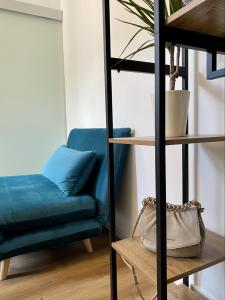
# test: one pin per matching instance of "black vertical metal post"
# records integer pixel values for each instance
(185, 161)
(109, 125)
(211, 62)
(185, 149)
(160, 148)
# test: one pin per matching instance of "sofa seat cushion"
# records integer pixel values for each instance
(32, 202)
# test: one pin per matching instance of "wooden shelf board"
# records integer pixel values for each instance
(127, 290)
(175, 292)
(145, 261)
(150, 141)
(181, 292)
(202, 16)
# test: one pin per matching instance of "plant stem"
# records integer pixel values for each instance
(174, 74)
(172, 59)
(171, 67)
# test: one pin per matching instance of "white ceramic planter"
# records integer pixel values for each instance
(177, 104)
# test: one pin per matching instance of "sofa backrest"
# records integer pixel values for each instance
(96, 139)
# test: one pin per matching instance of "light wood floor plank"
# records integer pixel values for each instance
(70, 273)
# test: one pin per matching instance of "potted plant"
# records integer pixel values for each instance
(177, 101)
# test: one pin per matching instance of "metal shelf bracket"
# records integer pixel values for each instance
(212, 72)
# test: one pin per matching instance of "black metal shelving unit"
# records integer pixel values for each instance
(163, 34)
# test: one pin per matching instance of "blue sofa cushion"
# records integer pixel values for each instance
(96, 139)
(69, 169)
(32, 202)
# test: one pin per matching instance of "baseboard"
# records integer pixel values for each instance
(202, 293)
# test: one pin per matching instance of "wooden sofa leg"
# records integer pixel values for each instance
(88, 246)
(4, 269)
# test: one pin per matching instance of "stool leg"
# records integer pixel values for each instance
(88, 246)
(4, 269)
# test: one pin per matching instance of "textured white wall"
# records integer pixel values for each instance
(132, 94)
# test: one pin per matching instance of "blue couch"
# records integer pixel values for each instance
(35, 214)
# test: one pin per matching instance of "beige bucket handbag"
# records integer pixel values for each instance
(185, 231)
(185, 228)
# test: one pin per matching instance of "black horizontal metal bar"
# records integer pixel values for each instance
(138, 66)
(194, 40)
(212, 71)
(216, 74)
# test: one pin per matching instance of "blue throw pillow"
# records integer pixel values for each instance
(69, 169)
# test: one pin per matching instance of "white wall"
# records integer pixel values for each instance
(209, 113)
(56, 4)
(32, 92)
(132, 94)
(84, 72)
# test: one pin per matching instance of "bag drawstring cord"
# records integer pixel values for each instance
(130, 266)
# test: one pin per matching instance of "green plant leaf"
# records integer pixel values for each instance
(145, 13)
(128, 8)
(141, 11)
(144, 46)
(130, 41)
(147, 28)
(175, 5)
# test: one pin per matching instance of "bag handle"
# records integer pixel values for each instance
(174, 207)
(136, 283)
(130, 266)
(138, 219)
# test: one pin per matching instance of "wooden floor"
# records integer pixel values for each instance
(68, 273)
